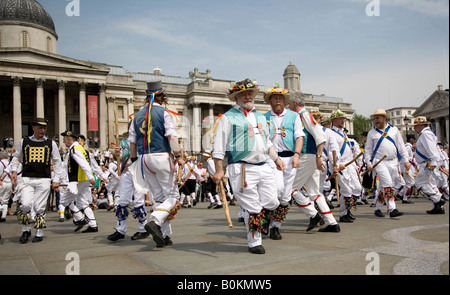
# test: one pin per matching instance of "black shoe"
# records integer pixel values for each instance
(257, 250)
(155, 230)
(395, 213)
(350, 215)
(275, 233)
(79, 224)
(115, 237)
(211, 205)
(218, 207)
(90, 230)
(241, 219)
(345, 219)
(140, 236)
(438, 208)
(314, 221)
(168, 241)
(332, 228)
(25, 236)
(379, 213)
(37, 239)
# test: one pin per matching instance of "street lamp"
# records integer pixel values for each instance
(406, 120)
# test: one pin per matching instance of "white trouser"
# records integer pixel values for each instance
(112, 186)
(425, 181)
(349, 186)
(307, 175)
(260, 193)
(5, 194)
(408, 181)
(389, 177)
(34, 193)
(126, 193)
(160, 177)
(80, 193)
(284, 180)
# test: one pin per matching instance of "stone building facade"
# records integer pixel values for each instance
(97, 99)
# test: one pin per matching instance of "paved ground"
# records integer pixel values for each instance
(416, 243)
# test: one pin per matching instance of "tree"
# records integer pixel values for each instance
(360, 124)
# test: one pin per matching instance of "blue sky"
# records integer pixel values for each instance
(395, 59)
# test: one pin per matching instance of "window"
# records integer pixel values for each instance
(409, 112)
(49, 44)
(25, 41)
(397, 113)
(398, 122)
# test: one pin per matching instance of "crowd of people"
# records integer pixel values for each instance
(265, 163)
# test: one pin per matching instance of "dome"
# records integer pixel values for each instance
(28, 13)
(291, 69)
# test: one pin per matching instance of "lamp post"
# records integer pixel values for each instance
(406, 120)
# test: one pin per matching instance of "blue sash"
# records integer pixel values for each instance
(345, 141)
(383, 136)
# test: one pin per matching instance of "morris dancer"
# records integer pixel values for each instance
(152, 134)
(36, 154)
(308, 172)
(427, 157)
(286, 134)
(242, 135)
(385, 140)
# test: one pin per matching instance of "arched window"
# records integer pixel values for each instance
(25, 41)
(49, 44)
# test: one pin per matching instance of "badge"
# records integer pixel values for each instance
(250, 128)
(283, 128)
(260, 126)
(251, 134)
(262, 132)
(283, 134)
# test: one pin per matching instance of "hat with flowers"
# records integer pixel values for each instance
(241, 86)
(277, 90)
(337, 114)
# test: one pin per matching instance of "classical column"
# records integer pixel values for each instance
(103, 117)
(17, 110)
(61, 110)
(130, 106)
(83, 109)
(446, 129)
(196, 112)
(111, 124)
(40, 113)
(211, 115)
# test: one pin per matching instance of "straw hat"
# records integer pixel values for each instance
(380, 112)
(421, 121)
(337, 114)
(277, 90)
(207, 154)
(241, 86)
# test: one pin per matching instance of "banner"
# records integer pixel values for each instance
(92, 113)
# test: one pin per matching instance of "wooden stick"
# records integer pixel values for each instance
(223, 196)
(443, 170)
(374, 166)
(336, 180)
(346, 165)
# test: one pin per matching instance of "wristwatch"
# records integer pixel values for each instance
(318, 156)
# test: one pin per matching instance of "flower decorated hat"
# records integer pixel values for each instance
(241, 86)
(337, 114)
(421, 121)
(277, 90)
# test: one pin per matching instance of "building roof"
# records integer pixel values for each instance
(28, 13)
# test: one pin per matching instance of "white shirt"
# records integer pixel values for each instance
(387, 147)
(427, 145)
(18, 157)
(259, 154)
(277, 139)
(347, 155)
(80, 159)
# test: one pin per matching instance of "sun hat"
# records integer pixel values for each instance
(421, 121)
(277, 90)
(380, 112)
(241, 86)
(337, 114)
